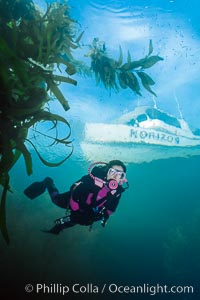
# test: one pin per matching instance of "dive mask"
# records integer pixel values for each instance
(112, 183)
(119, 174)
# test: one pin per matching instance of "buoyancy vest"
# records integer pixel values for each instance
(85, 193)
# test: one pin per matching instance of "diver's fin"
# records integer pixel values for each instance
(54, 230)
(37, 188)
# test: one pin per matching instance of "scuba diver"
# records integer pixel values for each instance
(92, 198)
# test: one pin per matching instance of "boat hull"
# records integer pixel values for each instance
(120, 133)
(134, 153)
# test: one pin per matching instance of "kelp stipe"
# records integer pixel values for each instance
(3, 225)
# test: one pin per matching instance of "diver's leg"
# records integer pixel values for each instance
(61, 200)
(61, 224)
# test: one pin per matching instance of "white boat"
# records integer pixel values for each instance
(145, 134)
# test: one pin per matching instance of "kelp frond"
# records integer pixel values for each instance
(32, 45)
(114, 74)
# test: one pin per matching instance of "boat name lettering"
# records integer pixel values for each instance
(152, 135)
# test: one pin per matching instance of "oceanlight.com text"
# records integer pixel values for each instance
(111, 288)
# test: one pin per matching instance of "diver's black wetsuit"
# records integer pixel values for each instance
(87, 202)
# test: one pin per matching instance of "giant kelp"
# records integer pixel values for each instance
(33, 44)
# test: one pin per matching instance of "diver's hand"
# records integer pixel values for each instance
(104, 221)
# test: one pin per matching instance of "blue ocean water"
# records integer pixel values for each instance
(153, 238)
